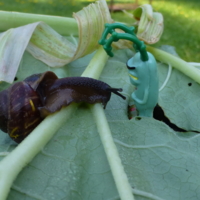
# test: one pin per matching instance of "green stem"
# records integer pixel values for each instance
(63, 25)
(110, 148)
(12, 164)
(176, 62)
(94, 69)
(97, 64)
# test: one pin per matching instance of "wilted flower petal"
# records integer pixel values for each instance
(149, 24)
(47, 45)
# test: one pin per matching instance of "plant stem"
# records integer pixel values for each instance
(13, 163)
(176, 62)
(63, 25)
(194, 64)
(110, 148)
(94, 70)
(97, 64)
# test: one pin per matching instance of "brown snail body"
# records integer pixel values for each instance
(25, 104)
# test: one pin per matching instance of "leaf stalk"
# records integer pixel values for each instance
(63, 25)
(119, 175)
(13, 163)
(176, 62)
(94, 69)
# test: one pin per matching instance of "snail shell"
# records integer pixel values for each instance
(25, 104)
(19, 113)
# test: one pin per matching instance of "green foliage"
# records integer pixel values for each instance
(159, 162)
(50, 7)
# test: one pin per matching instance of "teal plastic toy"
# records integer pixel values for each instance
(142, 68)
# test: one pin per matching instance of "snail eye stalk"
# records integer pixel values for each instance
(116, 91)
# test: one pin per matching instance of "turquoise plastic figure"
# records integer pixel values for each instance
(144, 76)
(142, 68)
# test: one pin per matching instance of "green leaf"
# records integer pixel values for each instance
(185, 99)
(160, 163)
(183, 108)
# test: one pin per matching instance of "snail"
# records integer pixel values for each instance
(25, 104)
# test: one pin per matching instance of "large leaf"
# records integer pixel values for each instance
(160, 163)
(185, 99)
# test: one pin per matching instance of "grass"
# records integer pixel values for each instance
(181, 19)
(49, 7)
(181, 27)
